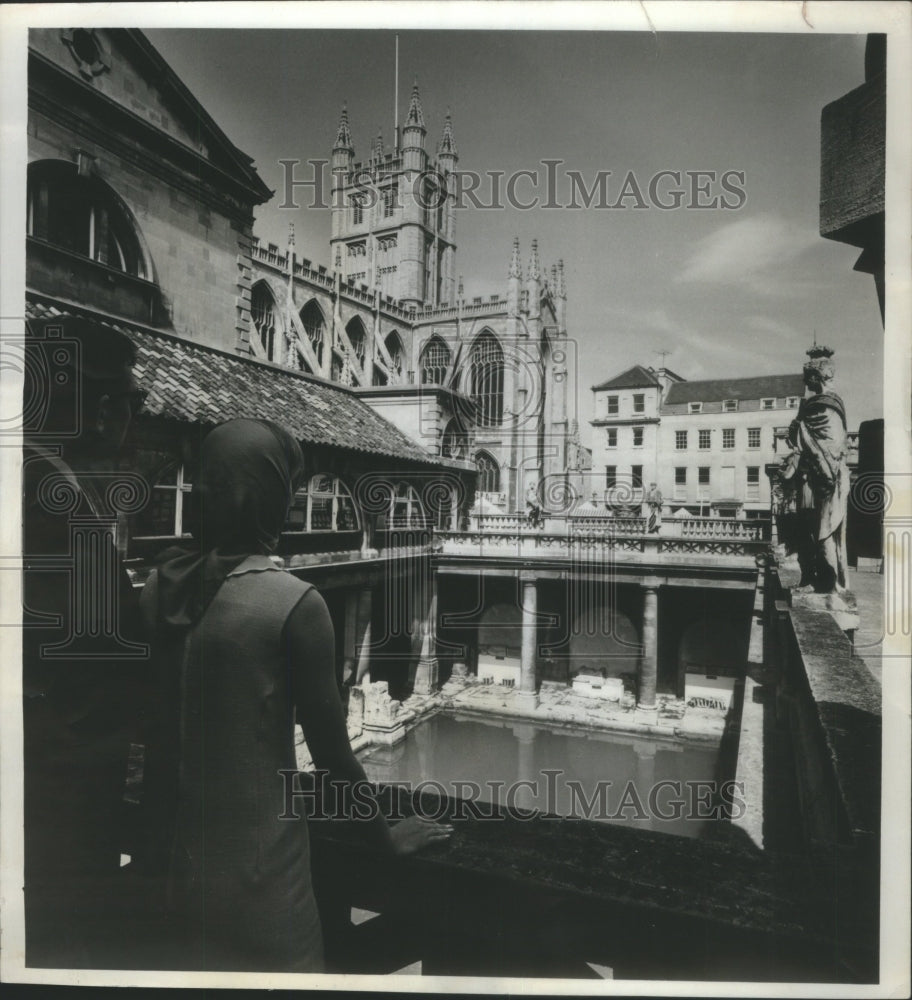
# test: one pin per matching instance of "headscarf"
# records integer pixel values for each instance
(249, 471)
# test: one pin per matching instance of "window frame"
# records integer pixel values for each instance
(729, 405)
(694, 408)
(771, 400)
(611, 437)
(610, 476)
(638, 432)
(613, 405)
(639, 402)
(704, 434)
(728, 438)
(754, 438)
(339, 491)
(680, 440)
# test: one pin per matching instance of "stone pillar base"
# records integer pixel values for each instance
(384, 735)
(526, 699)
(427, 677)
(648, 715)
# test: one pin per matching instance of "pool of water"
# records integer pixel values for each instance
(657, 785)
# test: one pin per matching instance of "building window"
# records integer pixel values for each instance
(454, 442)
(435, 360)
(406, 510)
(83, 215)
(703, 475)
(488, 471)
(728, 438)
(610, 476)
(753, 482)
(324, 504)
(680, 481)
(791, 402)
(767, 404)
(393, 346)
(612, 437)
(357, 204)
(636, 477)
(314, 328)
(681, 440)
(753, 437)
(389, 202)
(164, 514)
(358, 339)
(704, 440)
(637, 437)
(612, 406)
(729, 405)
(639, 402)
(694, 407)
(487, 380)
(262, 310)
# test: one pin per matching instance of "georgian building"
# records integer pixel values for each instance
(704, 443)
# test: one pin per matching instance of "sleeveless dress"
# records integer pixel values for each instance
(239, 888)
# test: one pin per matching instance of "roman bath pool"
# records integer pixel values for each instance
(670, 787)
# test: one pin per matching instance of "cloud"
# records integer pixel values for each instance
(756, 253)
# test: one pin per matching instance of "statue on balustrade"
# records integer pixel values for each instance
(816, 474)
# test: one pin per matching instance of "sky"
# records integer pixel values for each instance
(725, 293)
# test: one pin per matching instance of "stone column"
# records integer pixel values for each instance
(527, 668)
(364, 611)
(426, 672)
(646, 689)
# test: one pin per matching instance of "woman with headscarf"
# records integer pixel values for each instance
(239, 646)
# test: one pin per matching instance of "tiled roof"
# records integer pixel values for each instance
(637, 377)
(716, 389)
(197, 384)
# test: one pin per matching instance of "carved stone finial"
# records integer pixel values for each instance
(415, 116)
(447, 145)
(343, 133)
(377, 151)
(534, 263)
(515, 266)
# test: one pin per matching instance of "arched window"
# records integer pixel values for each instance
(406, 509)
(394, 347)
(488, 473)
(324, 504)
(84, 215)
(454, 442)
(486, 374)
(435, 360)
(314, 327)
(358, 338)
(263, 311)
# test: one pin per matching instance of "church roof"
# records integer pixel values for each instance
(636, 377)
(717, 389)
(193, 383)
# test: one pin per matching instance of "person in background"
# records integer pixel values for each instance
(82, 664)
(241, 649)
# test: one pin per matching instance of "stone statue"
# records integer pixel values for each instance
(817, 474)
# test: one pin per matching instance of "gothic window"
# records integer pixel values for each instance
(83, 215)
(324, 504)
(358, 338)
(394, 347)
(314, 327)
(487, 380)
(263, 309)
(488, 473)
(454, 440)
(389, 202)
(435, 360)
(357, 204)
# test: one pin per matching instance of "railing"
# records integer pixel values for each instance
(596, 526)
